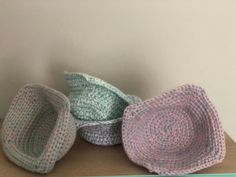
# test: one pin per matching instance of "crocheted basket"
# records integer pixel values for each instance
(38, 129)
(104, 133)
(94, 99)
(176, 133)
(98, 107)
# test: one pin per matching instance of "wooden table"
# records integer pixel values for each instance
(85, 159)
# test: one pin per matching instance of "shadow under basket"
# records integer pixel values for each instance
(38, 129)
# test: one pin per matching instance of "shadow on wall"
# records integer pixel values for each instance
(14, 77)
(127, 71)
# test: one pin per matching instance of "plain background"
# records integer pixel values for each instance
(144, 47)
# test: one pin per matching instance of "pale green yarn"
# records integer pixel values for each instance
(94, 99)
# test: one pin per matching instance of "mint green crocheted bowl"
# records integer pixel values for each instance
(94, 99)
(98, 108)
(104, 133)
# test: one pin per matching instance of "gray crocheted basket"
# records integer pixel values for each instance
(98, 108)
(38, 129)
(103, 132)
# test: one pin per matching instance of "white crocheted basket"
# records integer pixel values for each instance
(38, 129)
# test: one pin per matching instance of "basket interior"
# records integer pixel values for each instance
(175, 132)
(38, 118)
(93, 102)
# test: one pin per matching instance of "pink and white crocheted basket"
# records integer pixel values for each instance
(176, 133)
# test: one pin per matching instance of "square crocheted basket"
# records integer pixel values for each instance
(176, 133)
(38, 129)
(98, 108)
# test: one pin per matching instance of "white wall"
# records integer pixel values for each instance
(141, 46)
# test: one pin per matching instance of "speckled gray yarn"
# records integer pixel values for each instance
(104, 133)
(101, 133)
(38, 129)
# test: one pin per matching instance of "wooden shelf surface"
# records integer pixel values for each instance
(85, 159)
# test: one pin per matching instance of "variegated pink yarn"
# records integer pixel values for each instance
(176, 133)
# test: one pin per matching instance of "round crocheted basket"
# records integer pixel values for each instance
(38, 129)
(98, 108)
(176, 133)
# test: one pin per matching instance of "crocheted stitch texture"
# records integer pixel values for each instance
(38, 129)
(176, 133)
(104, 133)
(94, 99)
(98, 107)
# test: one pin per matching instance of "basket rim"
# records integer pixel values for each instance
(97, 81)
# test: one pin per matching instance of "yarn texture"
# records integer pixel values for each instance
(38, 129)
(176, 133)
(98, 108)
